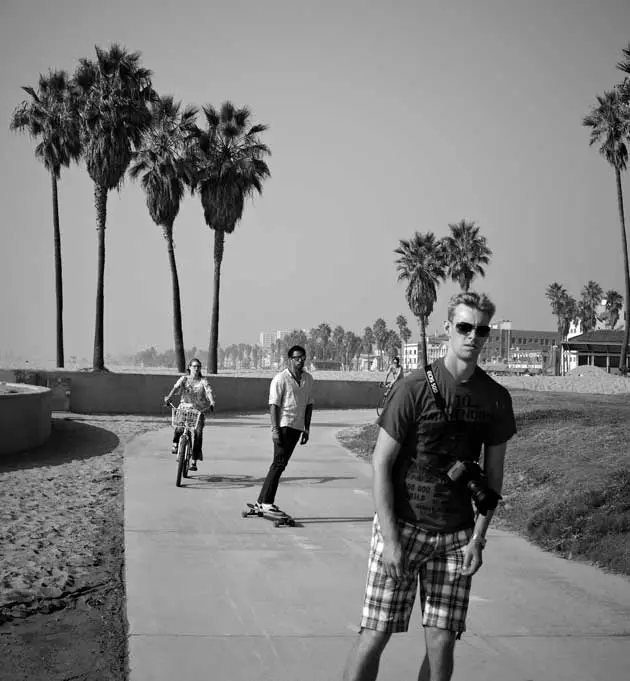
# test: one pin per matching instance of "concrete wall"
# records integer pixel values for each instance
(85, 392)
(24, 417)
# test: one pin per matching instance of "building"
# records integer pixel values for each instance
(266, 338)
(436, 347)
(519, 350)
(600, 348)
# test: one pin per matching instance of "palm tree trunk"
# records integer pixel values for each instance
(219, 245)
(626, 270)
(423, 341)
(178, 333)
(58, 272)
(100, 203)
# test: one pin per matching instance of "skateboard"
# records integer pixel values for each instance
(278, 519)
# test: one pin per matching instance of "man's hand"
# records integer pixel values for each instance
(393, 560)
(275, 436)
(304, 438)
(472, 558)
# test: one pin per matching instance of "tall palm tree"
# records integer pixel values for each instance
(557, 294)
(337, 341)
(230, 168)
(165, 166)
(592, 295)
(614, 303)
(367, 343)
(113, 92)
(421, 265)
(48, 117)
(608, 122)
(380, 335)
(466, 253)
(324, 333)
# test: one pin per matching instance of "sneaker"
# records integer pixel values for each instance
(270, 508)
(193, 466)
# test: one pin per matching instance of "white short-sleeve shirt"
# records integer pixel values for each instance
(291, 398)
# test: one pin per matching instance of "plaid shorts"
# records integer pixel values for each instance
(434, 560)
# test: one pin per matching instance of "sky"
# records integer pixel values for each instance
(385, 118)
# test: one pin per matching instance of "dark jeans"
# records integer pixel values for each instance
(289, 437)
(198, 439)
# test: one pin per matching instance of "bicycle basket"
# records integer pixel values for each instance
(185, 416)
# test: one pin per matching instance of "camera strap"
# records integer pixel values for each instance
(437, 395)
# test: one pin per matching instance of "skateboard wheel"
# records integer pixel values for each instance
(244, 514)
(277, 523)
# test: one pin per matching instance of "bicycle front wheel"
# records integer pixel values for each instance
(182, 459)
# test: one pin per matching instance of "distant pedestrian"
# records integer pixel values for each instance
(290, 409)
(426, 480)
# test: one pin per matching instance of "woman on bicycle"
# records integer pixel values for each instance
(396, 372)
(194, 391)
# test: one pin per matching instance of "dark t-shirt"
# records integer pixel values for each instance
(479, 412)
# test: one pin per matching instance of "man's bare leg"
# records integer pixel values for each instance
(365, 656)
(439, 658)
(425, 670)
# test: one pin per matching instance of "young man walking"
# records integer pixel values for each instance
(291, 407)
(427, 487)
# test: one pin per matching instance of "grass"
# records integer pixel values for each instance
(567, 476)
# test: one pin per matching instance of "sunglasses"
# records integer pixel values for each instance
(298, 357)
(465, 329)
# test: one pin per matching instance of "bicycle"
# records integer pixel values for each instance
(383, 399)
(185, 417)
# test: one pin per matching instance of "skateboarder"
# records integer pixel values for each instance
(290, 408)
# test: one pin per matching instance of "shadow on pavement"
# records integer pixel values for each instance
(314, 521)
(200, 481)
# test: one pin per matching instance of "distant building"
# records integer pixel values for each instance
(600, 348)
(266, 338)
(436, 347)
(519, 350)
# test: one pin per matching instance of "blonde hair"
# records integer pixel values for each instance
(478, 301)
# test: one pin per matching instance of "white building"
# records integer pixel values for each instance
(437, 346)
(266, 338)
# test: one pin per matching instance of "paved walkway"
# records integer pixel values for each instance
(214, 596)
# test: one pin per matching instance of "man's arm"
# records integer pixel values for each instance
(493, 464)
(383, 460)
(274, 413)
(307, 423)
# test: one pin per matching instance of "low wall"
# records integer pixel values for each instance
(24, 417)
(85, 392)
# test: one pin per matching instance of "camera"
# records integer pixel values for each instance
(470, 474)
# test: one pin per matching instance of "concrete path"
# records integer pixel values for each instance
(214, 596)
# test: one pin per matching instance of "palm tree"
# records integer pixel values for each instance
(48, 118)
(337, 341)
(324, 333)
(113, 93)
(380, 335)
(466, 253)
(592, 295)
(165, 166)
(230, 168)
(609, 128)
(557, 294)
(614, 303)
(367, 342)
(421, 264)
